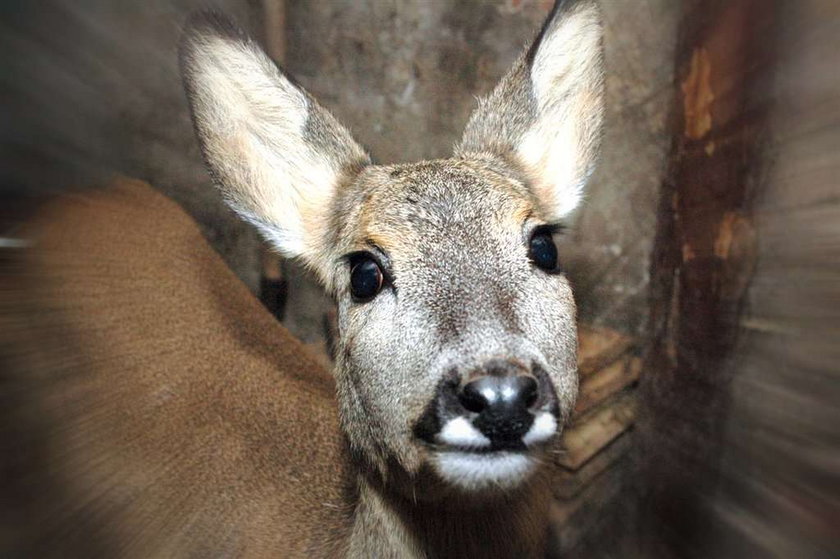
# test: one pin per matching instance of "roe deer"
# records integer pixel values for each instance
(191, 423)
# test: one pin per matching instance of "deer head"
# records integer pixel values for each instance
(457, 337)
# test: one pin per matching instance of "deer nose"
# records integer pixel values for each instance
(503, 405)
(496, 394)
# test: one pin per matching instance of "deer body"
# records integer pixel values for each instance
(168, 411)
(193, 423)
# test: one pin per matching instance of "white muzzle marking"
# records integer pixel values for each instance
(543, 428)
(460, 432)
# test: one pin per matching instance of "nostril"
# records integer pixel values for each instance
(472, 399)
(529, 390)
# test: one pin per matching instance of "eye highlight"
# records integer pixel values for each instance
(542, 251)
(366, 278)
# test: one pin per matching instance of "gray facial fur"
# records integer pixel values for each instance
(464, 292)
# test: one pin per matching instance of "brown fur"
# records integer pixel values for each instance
(179, 416)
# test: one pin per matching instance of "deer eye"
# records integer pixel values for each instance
(542, 251)
(366, 278)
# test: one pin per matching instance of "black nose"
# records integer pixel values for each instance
(503, 405)
(499, 393)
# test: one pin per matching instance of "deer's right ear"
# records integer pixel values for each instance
(546, 114)
(277, 155)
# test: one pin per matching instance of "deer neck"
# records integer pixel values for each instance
(391, 523)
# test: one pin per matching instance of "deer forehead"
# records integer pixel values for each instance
(409, 209)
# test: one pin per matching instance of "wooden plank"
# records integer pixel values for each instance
(597, 429)
(573, 520)
(598, 347)
(569, 484)
(705, 251)
(599, 386)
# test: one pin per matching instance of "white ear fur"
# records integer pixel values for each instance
(547, 113)
(276, 155)
(566, 74)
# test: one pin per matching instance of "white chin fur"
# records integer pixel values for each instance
(475, 471)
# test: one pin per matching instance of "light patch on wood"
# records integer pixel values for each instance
(736, 245)
(270, 263)
(687, 253)
(596, 430)
(600, 386)
(698, 96)
(726, 232)
(599, 347)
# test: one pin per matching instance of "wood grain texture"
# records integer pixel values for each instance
(594, 431)
(569, 484)
(703, 261)
(598, 387)
(598, 347)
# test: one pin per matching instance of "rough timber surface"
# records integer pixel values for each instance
(569, 484)
(598, 347)
(594, 431)
(581, 516)
(599, 386)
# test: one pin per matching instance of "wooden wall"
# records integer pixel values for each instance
(738, 454)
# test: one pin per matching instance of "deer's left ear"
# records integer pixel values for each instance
(547, 113)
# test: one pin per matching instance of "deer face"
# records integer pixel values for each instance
(457, 346)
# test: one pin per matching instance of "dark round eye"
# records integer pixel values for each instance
(365, 279)
(543, 251)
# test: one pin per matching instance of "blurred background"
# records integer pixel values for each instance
(706, 258)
